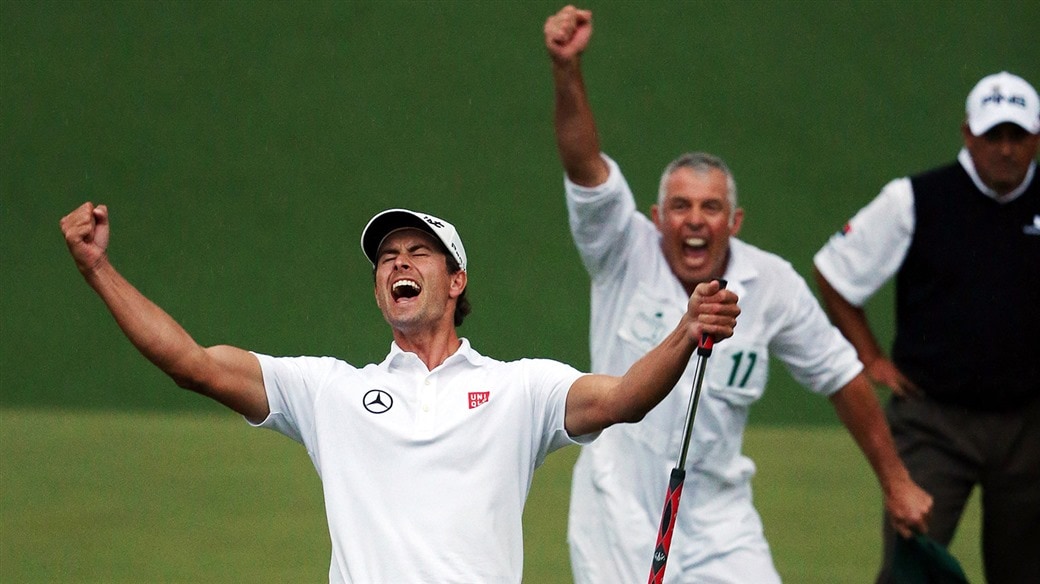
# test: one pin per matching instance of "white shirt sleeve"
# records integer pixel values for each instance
(861, 257)
(812, 349)
(293, 385)
(555, 379)
(599, 218)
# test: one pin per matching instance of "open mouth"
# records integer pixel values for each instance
(405, 289)
(695, 244)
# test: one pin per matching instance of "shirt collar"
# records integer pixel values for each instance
(964, 157)
(740, 267)
(398, 358)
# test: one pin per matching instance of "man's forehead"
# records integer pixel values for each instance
(406, 237)
(685, 182)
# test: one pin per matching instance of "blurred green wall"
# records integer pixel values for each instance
(242, 146)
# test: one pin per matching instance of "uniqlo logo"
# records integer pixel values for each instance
(477, 398)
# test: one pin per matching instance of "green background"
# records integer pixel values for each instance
(242, 146)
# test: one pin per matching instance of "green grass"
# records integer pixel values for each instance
(125, 497)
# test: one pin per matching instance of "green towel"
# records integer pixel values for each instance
(922, 560)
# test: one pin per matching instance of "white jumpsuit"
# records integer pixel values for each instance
(620, 480)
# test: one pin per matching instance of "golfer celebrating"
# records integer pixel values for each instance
(425, 458)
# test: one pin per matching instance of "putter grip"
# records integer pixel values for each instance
(664, 534)
(706, 342)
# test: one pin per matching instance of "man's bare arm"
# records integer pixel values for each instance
(229, 375)
(567, 35)
(598, 401)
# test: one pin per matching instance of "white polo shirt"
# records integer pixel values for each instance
(425, 473)
(621, 479)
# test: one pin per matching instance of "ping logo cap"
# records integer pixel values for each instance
(1003, 97)
(386, 222)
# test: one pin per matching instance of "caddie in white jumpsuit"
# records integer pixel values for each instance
(621, 479)
(640, 270)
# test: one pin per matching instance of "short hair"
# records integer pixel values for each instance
(462, 305)
(701, 163)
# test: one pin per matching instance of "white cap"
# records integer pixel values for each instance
(1003, 97)
(386, 222)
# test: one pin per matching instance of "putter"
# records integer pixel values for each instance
(678, 476)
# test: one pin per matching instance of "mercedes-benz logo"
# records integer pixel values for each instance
(378, 401)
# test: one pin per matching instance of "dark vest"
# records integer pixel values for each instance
(968, 294)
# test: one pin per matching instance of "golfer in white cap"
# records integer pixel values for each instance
(425, 458)
(963, 242)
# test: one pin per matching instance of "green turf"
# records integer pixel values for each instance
(135, 497)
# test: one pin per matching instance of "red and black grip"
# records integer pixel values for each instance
(664, 534)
